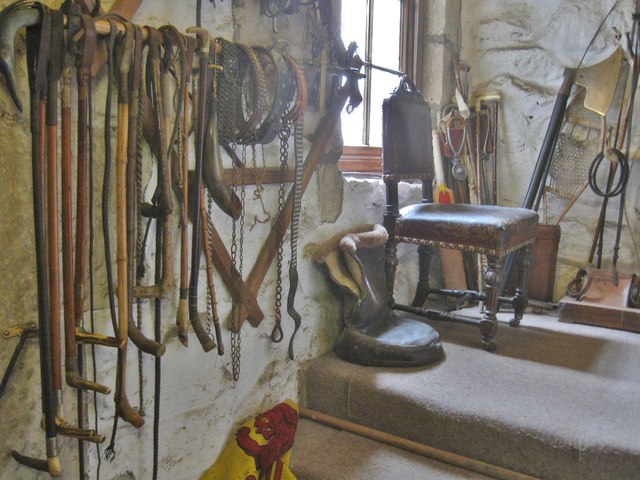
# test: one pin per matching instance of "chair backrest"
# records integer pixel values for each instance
(407, 147)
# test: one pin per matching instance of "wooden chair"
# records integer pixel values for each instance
(496, 232)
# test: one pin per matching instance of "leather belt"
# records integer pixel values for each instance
(281, 86)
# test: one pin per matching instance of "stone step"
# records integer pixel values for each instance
(555, 401)
(324, 453)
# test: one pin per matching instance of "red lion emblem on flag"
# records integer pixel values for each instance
(278, 427)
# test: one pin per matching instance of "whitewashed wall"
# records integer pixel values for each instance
(520, 49)
(201, 404)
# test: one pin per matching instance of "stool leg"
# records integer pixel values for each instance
(390, 265)
(492, 282)
(425, 253)
(520, 299)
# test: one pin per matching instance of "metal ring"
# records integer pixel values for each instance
(578, 287)
(456, 151)
(277, 334)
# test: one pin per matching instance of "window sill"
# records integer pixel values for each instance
(366, 161)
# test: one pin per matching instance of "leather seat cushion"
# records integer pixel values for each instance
(484, 228)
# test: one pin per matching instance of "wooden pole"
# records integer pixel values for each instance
(414, 447)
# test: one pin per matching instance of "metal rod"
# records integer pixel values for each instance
(384, 69)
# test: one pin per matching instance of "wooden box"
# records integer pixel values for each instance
(621, 318)
(542, 270)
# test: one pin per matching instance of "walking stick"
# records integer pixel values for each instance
(162, 203)
(54, 72)
(123, 408)
(23, 331)
(56, 61)
(73, 282)
(141, 341)
(37, 41)
(194, 317)
(182, 315)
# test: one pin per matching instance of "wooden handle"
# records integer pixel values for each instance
(144, 343)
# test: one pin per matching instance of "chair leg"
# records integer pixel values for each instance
(492, 282)
(520, 299)
(425, 254)
(390, 265)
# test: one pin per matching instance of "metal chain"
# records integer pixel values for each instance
(297, 192)
(227, 86)
(251, 94)
(238, 262)
(235, 336)
(285, 132)
(242, 210)
(295, 224)
(209, 299)
(179, 146)
(235, 307)
(140, 372)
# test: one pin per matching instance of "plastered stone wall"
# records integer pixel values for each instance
(201, 405)
(520, 49)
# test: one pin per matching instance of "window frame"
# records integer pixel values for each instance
(365, 159)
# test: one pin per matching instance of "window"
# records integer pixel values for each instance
(386, 33)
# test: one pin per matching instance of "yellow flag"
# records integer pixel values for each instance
(261, 449)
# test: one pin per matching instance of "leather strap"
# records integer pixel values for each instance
(173, 38)
(154, 90)
(281, 84)
(301, 94)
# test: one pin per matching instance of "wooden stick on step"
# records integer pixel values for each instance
(415, 447)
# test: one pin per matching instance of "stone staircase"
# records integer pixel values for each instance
(556, 401)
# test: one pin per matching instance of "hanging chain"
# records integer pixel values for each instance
(210, 305)
(285, 132)
(236, 343)
(242, 210)
(237, 256)
(295, 225)
(297, 195)
(235, 308)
